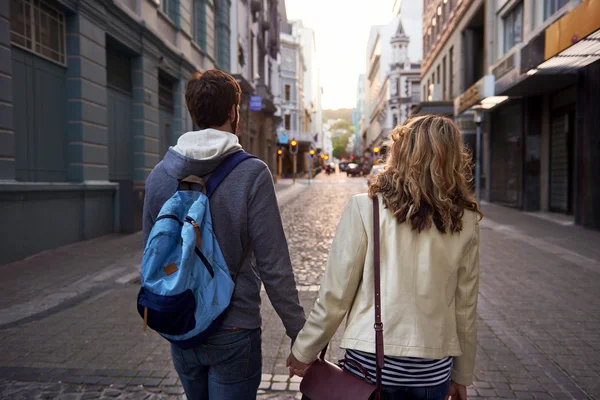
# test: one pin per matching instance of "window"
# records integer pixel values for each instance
(395, 120)
(288, 122)
(38, 27)
(438, 74)
(444, 78)
(171, 10)
(222, 34)
(288, 92)
(199, 23)
(552, 6)
(513, 27)
(451, 73)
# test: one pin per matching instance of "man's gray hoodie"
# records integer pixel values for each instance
(244, 209)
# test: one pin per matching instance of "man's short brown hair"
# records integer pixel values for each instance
(210, 96)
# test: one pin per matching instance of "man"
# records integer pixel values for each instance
(245, 215)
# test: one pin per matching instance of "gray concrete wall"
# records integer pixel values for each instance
(38, 217)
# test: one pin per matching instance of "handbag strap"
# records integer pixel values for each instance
(378, 324)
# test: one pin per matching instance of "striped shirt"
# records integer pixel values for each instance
(402, 371)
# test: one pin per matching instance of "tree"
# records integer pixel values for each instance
(339, 152)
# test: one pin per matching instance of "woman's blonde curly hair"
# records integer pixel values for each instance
(427, 174)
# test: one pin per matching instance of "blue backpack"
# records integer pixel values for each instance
(186, 284)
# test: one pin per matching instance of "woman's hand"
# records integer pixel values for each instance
(295, 366)
(456, 391)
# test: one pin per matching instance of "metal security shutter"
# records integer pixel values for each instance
(559, 164)
(118, 70)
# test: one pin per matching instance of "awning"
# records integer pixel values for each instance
(573, 41)
(443, 108)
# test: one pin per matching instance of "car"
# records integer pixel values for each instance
(354, 170)
(374, 171)
(343, 166)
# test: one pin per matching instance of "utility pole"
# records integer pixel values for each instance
(294, 151)
(478, 119)
(279, 162)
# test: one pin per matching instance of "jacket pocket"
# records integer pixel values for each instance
(171, 315)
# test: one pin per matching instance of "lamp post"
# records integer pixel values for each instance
(294, 151)
(478, 118)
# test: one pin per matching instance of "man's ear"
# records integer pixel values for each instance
(233, 113)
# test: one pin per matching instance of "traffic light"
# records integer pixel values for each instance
(294, 145)
(312, 152)
(376, 150)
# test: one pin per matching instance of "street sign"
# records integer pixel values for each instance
(282, 137)
(255, 103)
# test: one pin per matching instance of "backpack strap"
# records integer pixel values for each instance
(224, 169)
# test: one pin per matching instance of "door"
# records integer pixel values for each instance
(40, 115)
(165, 116)
(561, 162)
(119, 114)
(507, 155)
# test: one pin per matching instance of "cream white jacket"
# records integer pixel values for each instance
(429, 286)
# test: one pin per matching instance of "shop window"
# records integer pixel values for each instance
(513, 27)
(552, 6)
(38, 27)
(171, 10)
(288, 92)
(222, 34)
(199, 23)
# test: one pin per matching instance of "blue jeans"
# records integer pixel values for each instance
(416, 393)
(227, 366)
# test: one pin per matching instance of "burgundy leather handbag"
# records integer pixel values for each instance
(324, 380)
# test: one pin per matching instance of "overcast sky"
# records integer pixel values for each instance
(341, 32)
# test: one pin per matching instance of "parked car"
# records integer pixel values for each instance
(374, 171)
(343, 166)
(354, 169)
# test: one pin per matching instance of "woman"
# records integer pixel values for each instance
(429, 224)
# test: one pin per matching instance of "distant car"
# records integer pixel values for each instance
(354, 170)
(343, 166)
(376, 169)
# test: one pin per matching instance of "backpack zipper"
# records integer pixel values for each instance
(191, 221)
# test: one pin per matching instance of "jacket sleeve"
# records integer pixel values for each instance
(338, 287)
(467, 291)
(270, 249)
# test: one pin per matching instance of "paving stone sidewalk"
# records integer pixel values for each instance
(538, 318)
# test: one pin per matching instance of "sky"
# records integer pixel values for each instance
(341, 33)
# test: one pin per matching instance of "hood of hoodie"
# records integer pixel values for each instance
(199, 152)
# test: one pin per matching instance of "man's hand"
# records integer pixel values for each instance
(295, 366)
(456, 391)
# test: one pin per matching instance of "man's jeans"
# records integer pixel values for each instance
(227, 366)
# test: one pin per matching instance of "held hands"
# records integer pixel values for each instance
(456, 391)
(295, 366)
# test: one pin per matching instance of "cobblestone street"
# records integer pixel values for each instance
(80, 337)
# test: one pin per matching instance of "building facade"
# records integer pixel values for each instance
(531, 69)
(358, 114)
(392, 82)
(92, 98)
(254, 62)
(300, 106)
